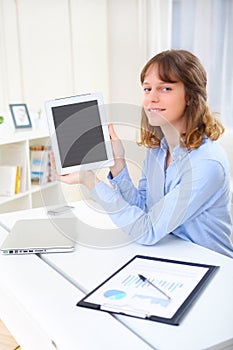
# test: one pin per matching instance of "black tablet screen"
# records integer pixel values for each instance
(79, 133)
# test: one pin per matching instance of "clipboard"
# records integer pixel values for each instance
(168, 291)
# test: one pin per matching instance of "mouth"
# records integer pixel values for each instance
(156, 110)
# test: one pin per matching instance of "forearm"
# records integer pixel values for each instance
(131, 219)
(89, 179)
(118, 167)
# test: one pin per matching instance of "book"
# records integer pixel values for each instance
(17, 180)
(40, 165)
(8, 176)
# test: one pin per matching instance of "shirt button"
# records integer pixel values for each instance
(114, 185)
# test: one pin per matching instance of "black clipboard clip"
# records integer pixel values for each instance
(125, 310)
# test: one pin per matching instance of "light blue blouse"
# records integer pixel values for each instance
(190, 199)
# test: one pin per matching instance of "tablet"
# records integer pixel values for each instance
(79, 133)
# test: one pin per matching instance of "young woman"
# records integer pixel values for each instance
(185, 185)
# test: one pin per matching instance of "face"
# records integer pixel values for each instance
(164, 103)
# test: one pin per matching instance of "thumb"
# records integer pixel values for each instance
(112, 133)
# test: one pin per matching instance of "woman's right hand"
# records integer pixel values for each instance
(83, 177)
(118, 152)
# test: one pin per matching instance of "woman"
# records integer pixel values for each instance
(185, 183)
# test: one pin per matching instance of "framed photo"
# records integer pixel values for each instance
(20, 116)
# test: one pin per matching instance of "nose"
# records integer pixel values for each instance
(154, 95)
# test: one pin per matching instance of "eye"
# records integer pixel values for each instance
(166, 88)
(146, 89)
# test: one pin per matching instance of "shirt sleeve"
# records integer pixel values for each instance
(132, 195)
(198, 188)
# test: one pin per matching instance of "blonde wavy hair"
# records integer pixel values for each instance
(182, 65)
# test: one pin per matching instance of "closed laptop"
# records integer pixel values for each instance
(30, 236)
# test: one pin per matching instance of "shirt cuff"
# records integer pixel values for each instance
(103, 193)
(121, 180)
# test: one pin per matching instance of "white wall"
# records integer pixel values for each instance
(56, 48)
(52, 48)
(137, 31)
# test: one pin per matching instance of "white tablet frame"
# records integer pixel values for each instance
(97, 96)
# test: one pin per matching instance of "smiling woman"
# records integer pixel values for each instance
(160, 97)
(185, 184)
(174, 84)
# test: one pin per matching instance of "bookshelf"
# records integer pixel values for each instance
(15, 150)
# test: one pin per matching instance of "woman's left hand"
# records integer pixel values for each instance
(118, 152)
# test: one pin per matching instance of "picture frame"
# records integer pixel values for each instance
(20, 115)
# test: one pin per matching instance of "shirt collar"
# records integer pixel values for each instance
(178, 152)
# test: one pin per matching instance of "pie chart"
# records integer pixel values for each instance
(114, 294)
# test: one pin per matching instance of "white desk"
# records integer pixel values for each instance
(38, 306)
(207, 325)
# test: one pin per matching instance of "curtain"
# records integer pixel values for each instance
(205, 28)
(154, 23)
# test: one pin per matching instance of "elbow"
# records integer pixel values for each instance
(147, 240)
(145, 233)
(147, 237)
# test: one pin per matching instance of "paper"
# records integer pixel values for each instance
(125, 290)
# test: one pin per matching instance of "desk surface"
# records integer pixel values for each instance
(207, 325)
(38, 304)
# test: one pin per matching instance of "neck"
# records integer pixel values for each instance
(172, 137)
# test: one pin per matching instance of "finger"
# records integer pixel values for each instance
(52, 161)
(112, 133)
(53, 166)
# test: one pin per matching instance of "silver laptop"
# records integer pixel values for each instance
(41, 236)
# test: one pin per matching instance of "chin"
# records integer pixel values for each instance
(155, 124)
(156, 121)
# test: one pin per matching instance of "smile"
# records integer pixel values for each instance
(156, 110)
